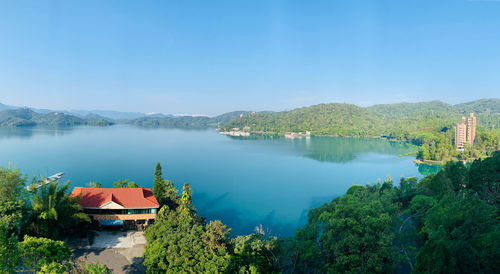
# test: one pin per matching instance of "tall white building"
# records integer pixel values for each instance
(465, 132)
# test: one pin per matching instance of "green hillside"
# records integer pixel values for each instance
(323, 119)
(430, 124)
(25, 117)
(396, 120)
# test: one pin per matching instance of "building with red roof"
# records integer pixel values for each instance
(118, 206)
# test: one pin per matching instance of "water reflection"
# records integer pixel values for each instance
(28, 132)
(334, 149)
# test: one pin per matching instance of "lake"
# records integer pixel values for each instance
(242, 181)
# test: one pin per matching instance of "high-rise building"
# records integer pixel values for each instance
(471, 129)
(465, 132)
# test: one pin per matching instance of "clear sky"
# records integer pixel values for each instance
(216, 56)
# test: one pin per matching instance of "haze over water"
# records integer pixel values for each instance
(243, 182)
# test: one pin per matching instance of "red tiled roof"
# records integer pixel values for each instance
(126, 197)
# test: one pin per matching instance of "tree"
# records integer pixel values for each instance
(255, 253)
(484, 177)
(435, 185)
(387, 185)
(11, 214)
(9, 250)
(457, 173)
(180, 241)
(407, 190)
(12, 198)
(97, 268)
(54, 211)
(358, 232)
(158, 175)
(44, 254)
(164, 190)
(94, 184)
(125, 184)
(301, 253)
(462, 237)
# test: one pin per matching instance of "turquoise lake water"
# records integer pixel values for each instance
(244, 182)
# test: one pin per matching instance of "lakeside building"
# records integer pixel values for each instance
(128, 207)
(465, 132)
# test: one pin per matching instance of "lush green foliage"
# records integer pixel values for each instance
(12, 199)
(9, 250)
(164, 190)
(125, 184)
(44, 254)
(180, 241)
(39, 254)
(358, 231)
(461, 236)
(54, 212)
(323, 119)
(97, 269)
(255, 253)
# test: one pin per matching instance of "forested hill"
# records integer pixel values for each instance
(187, 122)
(323, 119)
(24, 117)
(390, 119)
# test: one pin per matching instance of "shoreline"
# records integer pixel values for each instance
(415, 160)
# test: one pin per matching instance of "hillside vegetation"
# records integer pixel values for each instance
(429, 124)
(25, 117)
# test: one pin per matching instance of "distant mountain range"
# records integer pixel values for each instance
(102, 114)
(186, 121)
(11, 116)
(25, 117)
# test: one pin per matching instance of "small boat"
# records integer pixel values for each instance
(45, 181)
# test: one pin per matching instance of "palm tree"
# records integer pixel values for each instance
(54, 211)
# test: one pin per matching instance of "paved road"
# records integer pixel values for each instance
(121, 251)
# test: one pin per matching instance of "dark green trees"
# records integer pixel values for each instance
(125, 184)
(12, 198)
(461, 236)
(164, 190)
(39, 254)
(484, 177)
(45, 255)
(180, 241)
(456, 214)
(9, 251)
(358, 232)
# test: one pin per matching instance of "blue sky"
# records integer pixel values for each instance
(216, 56)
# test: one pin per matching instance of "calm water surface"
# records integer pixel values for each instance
(244, 182)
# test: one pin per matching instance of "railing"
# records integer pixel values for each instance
(147, 216)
